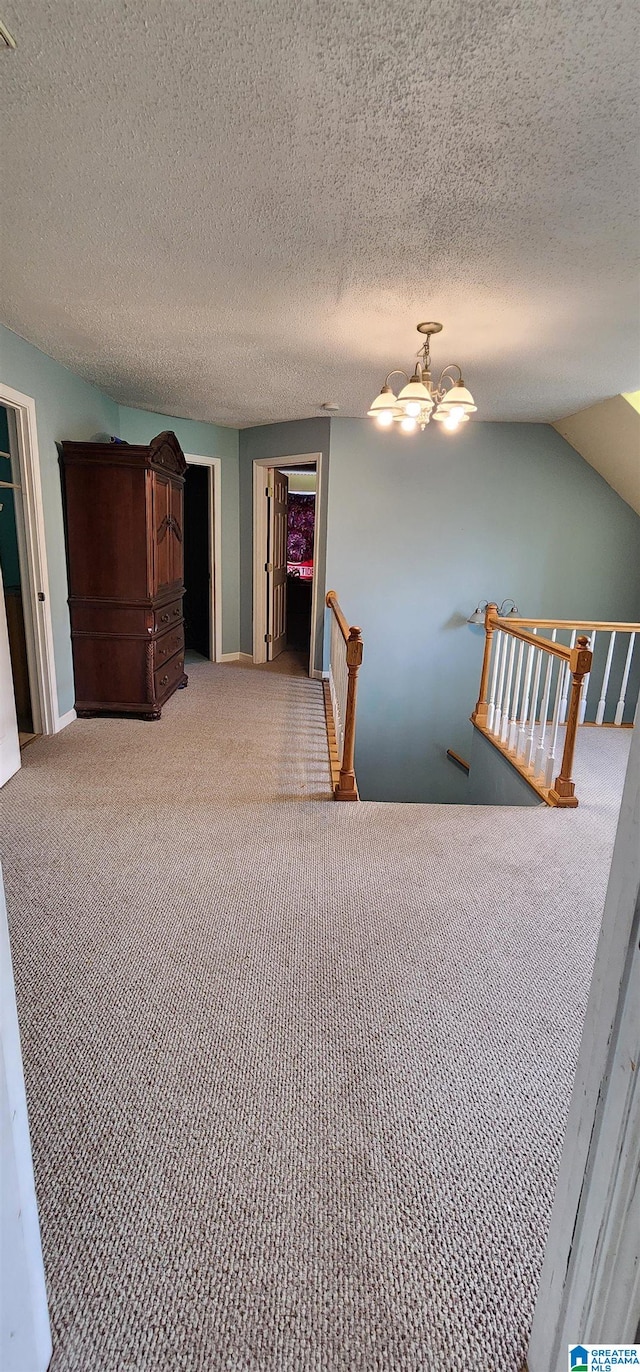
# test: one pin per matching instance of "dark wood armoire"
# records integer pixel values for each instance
(123, 520)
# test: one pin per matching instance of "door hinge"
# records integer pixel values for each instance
(268, 638)
(268, 566)
(41, 595)
(269, 491)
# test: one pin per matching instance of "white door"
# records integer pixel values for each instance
(9, 741)
(277, 565)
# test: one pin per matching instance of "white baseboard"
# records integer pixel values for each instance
(324, 676)
(63, 720)
(317, 675)
(235, 657)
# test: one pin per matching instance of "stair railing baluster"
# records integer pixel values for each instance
(625, 679)
(529, 745)
(565, 684)
(550, 764)
(504, 724)
(497, 718)
(513, 714)
(499, 643)
(602, 703)
(538, 766)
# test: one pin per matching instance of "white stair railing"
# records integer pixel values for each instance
(533, 686)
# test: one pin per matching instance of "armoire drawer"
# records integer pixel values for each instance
(167, 615)
(168, 676)
(165, 648)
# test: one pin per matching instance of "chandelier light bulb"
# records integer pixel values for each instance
(412, 408)
(408, 424)
(384, 418)
(451, 422)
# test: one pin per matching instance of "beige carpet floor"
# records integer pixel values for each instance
(297, 1072)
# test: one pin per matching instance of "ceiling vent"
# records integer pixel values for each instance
(6, 41)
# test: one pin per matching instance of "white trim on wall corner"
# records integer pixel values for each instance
(22, 409)
(235, 657)
(63, 720)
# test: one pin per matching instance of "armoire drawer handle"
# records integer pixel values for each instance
(177, 610)
(164, 680)
(164, 619)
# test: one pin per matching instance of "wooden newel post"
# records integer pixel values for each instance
(481, 711)
(563, 791)
(346, 788)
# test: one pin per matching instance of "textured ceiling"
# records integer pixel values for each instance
(238, 211)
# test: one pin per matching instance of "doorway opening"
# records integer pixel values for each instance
(21, 495)
(15, 585)
(197, 566)
(287, 600)
(301, 522)
(201, 536)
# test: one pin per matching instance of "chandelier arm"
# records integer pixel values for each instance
(397, 371)
(448, 368)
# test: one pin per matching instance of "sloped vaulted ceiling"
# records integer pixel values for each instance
(607, 435)
(238, 211)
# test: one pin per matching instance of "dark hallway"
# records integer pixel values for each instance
(197, 560)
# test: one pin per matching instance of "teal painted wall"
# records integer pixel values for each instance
(66, 407)
(205, 440)
(278, 440)
(492, 780)
(419, 530)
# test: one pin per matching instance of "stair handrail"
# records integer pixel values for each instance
(612, 624)
(343, 688)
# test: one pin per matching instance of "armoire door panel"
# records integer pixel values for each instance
(105, 508)
(162, 537)
(177, 520)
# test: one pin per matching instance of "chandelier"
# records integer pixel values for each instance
(420, 400)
